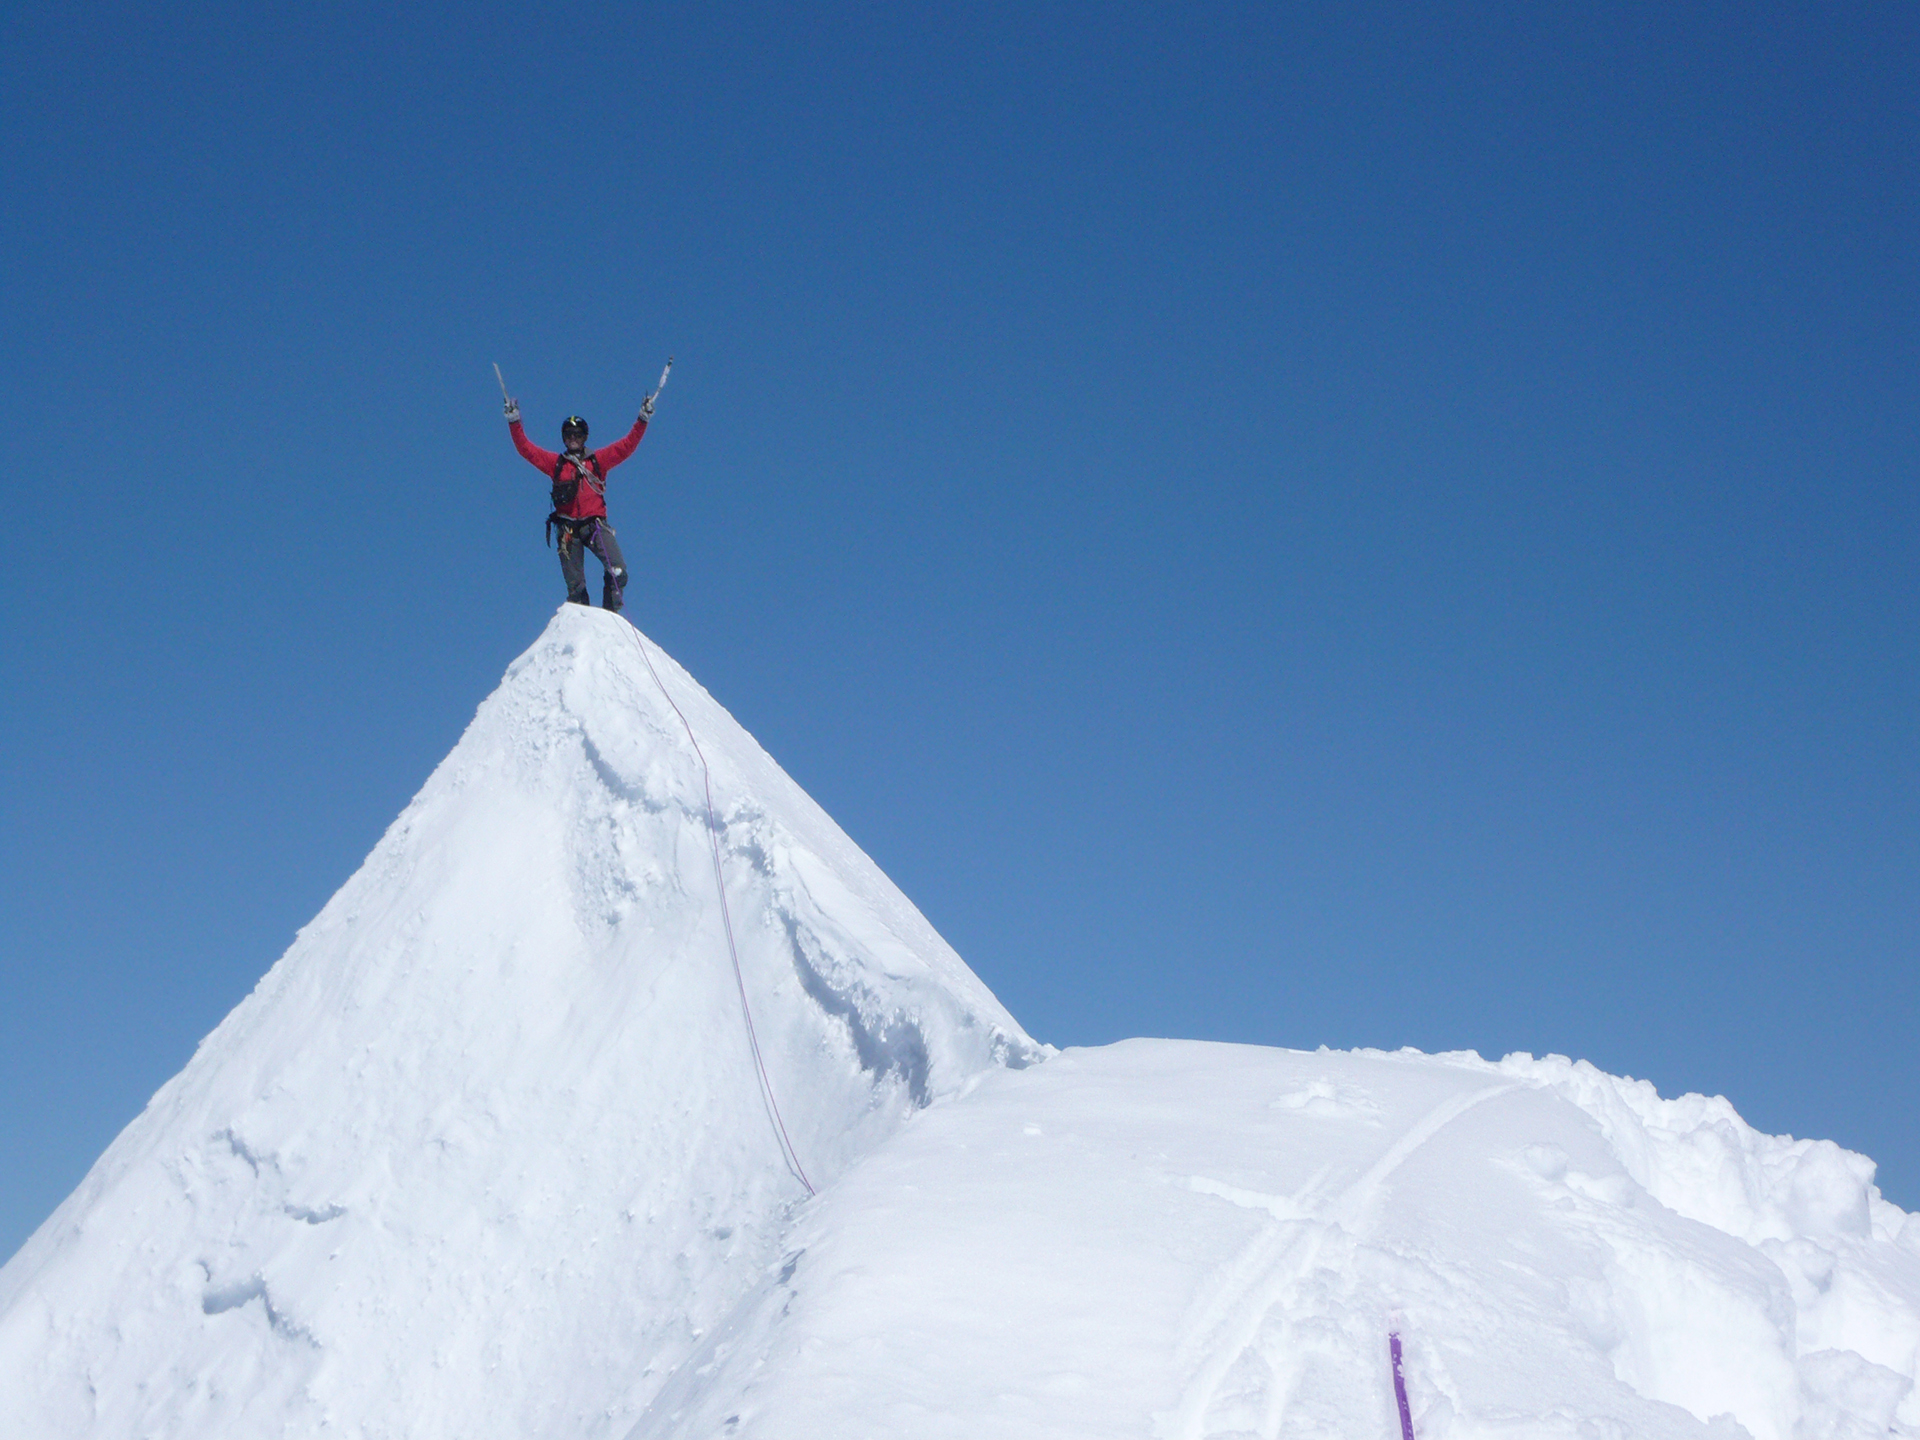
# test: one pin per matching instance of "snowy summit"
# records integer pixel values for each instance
(532, 1133)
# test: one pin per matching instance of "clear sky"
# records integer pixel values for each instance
(1351, 524)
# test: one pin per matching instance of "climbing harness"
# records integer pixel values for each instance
(791, 1156)
(585, 467)
(582, 528)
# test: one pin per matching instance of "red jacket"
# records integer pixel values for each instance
(588, 500)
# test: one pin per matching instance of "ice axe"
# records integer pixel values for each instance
(663, 383)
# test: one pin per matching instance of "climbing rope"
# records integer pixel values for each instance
(720, 883)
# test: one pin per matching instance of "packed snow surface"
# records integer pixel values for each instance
(487, 1153)
(1181, 1240)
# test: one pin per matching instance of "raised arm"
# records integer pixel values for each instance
(613, 454)
(534, 455)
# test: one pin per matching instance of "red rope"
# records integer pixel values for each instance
(726, 917)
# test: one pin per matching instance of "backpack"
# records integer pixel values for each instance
(565, 491)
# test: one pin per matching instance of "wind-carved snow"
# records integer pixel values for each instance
(1179, 1241)
(485, 1152)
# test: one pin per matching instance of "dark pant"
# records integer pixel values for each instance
(596, 535)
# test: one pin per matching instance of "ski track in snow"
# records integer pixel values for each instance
(1254, 1314)
(487, 1153)
(1171, 1240)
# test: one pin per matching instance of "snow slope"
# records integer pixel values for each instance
(487, 1153)
(1181, 1240)
(486, 1150)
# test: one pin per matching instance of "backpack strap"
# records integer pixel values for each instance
(590, 472)
(564, 491)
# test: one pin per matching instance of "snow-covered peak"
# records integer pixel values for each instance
(489, 1153)
(487, 1150)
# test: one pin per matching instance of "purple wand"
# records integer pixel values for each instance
(1400, 1387)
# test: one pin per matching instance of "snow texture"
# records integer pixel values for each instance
(486, 1154)
(1209, 1242)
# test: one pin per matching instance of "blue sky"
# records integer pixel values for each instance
(1350, 524)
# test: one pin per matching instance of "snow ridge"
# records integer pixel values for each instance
(485, 1152)
(1182, 1241)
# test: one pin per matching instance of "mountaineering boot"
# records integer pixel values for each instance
(613, 593)
(579, 597)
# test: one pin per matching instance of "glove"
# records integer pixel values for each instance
(646, 408)
(513, 412)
